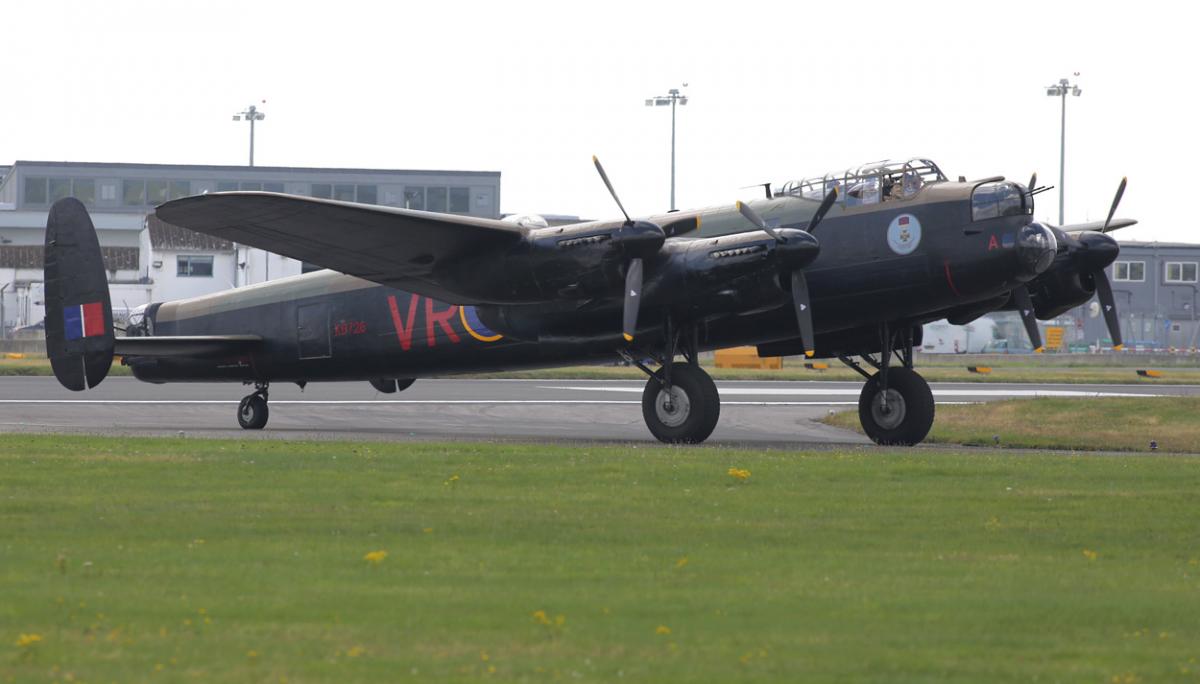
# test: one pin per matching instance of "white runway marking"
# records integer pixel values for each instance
(803, 391)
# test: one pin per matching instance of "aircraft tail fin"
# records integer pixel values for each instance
(79, 321)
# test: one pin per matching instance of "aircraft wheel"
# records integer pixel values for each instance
(686, 415)
(909, 412)
(252, 412)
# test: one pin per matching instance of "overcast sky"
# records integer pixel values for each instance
(778, 91)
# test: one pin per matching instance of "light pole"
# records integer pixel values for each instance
(251, 114)
(673, 97)
(1062, 89)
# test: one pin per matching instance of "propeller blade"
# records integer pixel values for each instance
(1025, 308)
(753, 217)
(826, 205)
(803, 311)
(1116, 201)
(608, 184)
(1033, 181)
(633, 298)
(1109, 305)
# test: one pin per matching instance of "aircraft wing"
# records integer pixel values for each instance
(395, 247)
(1098, 226)
(186, 345)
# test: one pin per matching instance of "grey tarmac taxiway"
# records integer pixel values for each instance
(760, 413)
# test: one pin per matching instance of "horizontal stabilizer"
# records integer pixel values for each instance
(187, 345)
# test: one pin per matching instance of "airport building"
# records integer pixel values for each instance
(149, 260)
(1156, 289)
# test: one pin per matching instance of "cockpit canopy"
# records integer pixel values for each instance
(872, 183)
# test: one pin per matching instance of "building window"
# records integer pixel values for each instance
(133, 192)
(1181, 271)
(60, 188)
(460, 200)
(435, 199)
(322, 190)
(227, 186)
(272, 187)
(414, 198)
(191, 266)
(156, 192)
(255, 187)
(35, 191)
(84, 190)
(343, 193)
(180, 189)
(367, 194)
(1129, 271)
(108, 192)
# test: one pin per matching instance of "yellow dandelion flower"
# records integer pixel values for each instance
(539, 616)
(560, 620)
(27, 640)
(428, 530)
(662, 629)
(681, 562)
(251, 654)
(451, 480)
(375, 557)
(483, 655)
(1090, 555)
(739, 474)
(355, 651)
(491, 669)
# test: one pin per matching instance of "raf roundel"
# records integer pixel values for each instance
(904, 234)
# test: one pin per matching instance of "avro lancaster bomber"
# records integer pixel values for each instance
(846, 265)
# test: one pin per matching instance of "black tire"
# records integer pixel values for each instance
(693, 414)
(253, 413)
(404, 383)
(910, 409)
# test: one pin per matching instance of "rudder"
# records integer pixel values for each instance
(79, 322)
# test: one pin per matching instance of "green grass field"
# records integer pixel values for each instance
(198, 560)
(1097, 424)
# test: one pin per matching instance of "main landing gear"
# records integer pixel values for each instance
(680, 403)
(896, 405)
(252, 411)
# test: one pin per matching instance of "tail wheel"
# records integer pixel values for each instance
(688, 412)
(253, 412)
(903, 414)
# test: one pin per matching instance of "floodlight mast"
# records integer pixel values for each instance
(251, 114)
(673, 98)
(1062, 89)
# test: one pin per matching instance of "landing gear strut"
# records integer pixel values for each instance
(680, 403)
(252, 411)
(896, 405)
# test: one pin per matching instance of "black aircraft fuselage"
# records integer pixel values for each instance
(329, 326)
(842, 266)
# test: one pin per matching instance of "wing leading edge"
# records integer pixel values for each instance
(396, 247)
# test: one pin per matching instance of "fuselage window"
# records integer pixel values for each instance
(994, 200)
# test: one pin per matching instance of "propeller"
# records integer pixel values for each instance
(826, 205)
(800, 298)
(1025, 308)
(1106, 251)
(1116, 201)
(1109, 306)
(1032, 182)
(635, 239)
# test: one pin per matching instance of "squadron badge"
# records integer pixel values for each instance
(904, 234)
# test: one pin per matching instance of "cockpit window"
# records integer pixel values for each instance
(872, 183)
(993, 200)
